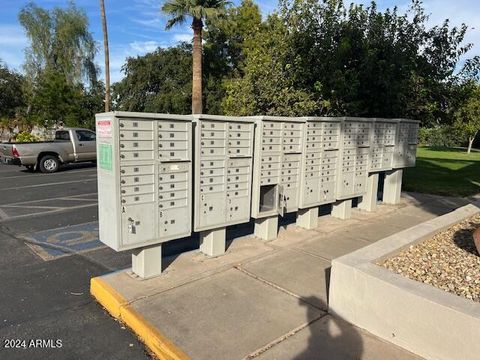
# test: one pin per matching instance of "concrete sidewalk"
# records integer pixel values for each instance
(261, 299)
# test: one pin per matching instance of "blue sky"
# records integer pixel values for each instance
(137, 26)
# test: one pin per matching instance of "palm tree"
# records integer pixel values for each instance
(199, 10)
(107, 56)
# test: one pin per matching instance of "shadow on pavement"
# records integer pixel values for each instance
(329, 337)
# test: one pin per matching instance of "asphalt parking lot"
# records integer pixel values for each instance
(49, 250)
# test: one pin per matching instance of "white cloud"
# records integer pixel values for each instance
(182, 37)
(143, 47)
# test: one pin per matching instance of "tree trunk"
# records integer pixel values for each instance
(197, 26)
(470, 143)
(107, 56)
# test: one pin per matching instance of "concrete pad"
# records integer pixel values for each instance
(332, 246)
(328, 224)
(330, 338)
(225, 316)
(185, 268)
(292, 234)
(308, 280)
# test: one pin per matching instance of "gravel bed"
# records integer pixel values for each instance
(448, 261)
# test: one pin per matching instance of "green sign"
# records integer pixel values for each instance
(105, 156)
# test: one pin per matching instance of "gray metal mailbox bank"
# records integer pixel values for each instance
(162, 176)
(276, 171)
(144, 182)
(223, 174)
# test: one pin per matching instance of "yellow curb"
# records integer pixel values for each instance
(119, 308)
(107, 296)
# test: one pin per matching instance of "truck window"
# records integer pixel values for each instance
(83, 135)
(62, 135)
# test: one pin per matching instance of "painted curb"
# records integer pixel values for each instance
(120, 309)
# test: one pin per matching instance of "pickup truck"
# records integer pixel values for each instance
(70, 145)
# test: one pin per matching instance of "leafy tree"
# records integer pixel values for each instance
(11, 94)
(468, 115)
(59, 41)
(160, 81)
(267, 86)
(199, 10)
(59, 62)
(226, 39)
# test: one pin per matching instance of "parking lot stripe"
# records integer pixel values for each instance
(73, 197)
(73, 172)
(58, 210)
(48, 184)
(119, 308)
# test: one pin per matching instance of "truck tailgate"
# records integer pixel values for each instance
(6, 150)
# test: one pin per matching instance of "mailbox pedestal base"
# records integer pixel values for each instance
(147, 261)
(266, 228)
(307, 218)
(342, 209)
(368, 202)
(392, 186)
(212, 242)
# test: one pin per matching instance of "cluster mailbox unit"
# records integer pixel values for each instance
(243, 167)
(320, 163)
(223, 172)
(144, 183)
(276, 171)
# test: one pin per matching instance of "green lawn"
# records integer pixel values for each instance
(444, 171)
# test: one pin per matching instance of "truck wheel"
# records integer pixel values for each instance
(49, 164)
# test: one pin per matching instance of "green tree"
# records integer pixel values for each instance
(160, 81)
(267, 86)
(59, 41)
(59, 63)
(11, 92)
(468, 115)
(199, 10)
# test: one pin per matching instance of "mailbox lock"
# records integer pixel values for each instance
(131, 226)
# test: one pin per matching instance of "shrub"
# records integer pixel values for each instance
(26, 137)
(442, 135)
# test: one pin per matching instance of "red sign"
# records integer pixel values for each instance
(104, 128)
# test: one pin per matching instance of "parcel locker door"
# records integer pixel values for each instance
(138, 223)
(213, 209)
(411, 155)
(311, 191)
